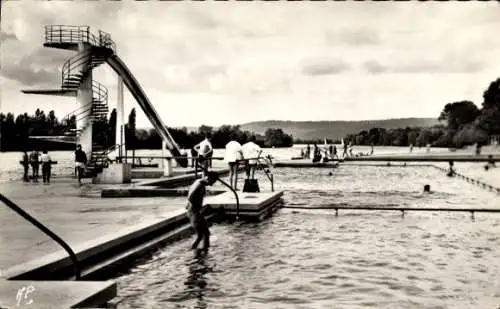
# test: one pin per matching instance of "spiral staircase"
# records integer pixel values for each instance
(73, 73)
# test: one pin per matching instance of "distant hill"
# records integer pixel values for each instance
(308, 130)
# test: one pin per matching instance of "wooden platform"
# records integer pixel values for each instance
(253, 206)
(55, 294)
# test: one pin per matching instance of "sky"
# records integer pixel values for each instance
(234, 62)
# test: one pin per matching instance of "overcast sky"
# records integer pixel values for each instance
(234, 62)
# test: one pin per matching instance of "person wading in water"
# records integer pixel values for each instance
(194, 208)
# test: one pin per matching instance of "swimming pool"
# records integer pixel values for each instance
(360, 259)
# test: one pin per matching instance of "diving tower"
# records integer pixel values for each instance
(92, 50)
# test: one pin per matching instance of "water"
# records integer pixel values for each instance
(12, 170)
(360, 259)
(312, 259)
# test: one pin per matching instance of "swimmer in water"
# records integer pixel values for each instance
(194, 208)
(451, 171)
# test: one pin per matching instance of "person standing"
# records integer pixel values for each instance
(80, 162)
(25, 161)
(345, 151)
(193, 157)
(35, 164)
(194, 209)
(334, 152)
(45, 159)
(234, 154)
(478, 148)
(316, 153)
(251, 152)
(204, 149)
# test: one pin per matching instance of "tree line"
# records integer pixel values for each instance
(16, 130)
(462, 123)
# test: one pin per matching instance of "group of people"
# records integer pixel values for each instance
(248, 154)
(35, 159)
(329, 153)
(235, 154)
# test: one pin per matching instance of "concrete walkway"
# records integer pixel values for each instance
(67, 210)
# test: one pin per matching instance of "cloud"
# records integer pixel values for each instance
(200, 18)
(6, 36)
(30, 77)
(355, 37)
(38, 68)
(375, 67)
(323, 66)
(444, 66)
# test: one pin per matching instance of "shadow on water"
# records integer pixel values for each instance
(196, 283)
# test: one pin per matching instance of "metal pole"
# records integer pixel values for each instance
(228, 186)
(46, 230)
(121, 143)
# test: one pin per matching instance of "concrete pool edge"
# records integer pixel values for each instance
(59, 259)
(49, 294)
(150, 192)
(102, 291)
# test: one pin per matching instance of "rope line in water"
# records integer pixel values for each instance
(471, 180)
(466, 178)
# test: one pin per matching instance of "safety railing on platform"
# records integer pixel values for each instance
(47, 231)
(76, 34)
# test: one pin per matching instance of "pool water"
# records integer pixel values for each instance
(360, 259)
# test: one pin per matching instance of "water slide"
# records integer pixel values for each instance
(140, 96)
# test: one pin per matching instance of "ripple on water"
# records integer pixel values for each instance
(316, 260)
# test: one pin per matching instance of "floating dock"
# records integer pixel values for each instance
(252, 206)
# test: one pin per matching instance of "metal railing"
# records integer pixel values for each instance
(97, 111)
(101, 159)
(72, 67)
(77, 34)
(47, 231)
(226, 185)
(401, 209)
